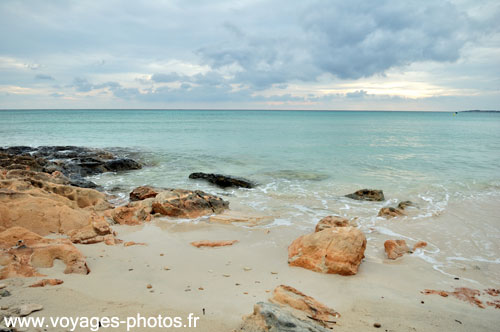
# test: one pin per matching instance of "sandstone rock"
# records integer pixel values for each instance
(222, 181)
(26, 309)
(135, 213)
(228, 217)
(333, 250)
(307, 306)
(132, 243)
(395, 248)
(367, 195)
(212, 244)
(419, 244)
(390, 212)
(143, 192)
(403, 205)
(96, 231)
(268, 317)
(45, 282)
(187, 204)
(331, 221)
(462, 293)
(24, 251)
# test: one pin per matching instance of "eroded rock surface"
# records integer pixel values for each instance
(331, 221)
(395, 248)
(367, 195)
(222, 181)
(187, 204)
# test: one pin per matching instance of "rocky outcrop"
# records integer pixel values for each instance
(229, 216)
(222, 181)
(24, 251)
(367, 195)
(38, 202)
(395, 248)
(96, 231)
(331, 221)
(291, 311)
(134, 213)
(72, 161)
(45, 282)
(391, 212)
(143, 192)
(212, 244)
(336, 250)
(182, 203)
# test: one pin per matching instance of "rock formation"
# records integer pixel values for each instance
(395, 248)
(222, 181)
(331, 221)
(187, 204)
(367, 195)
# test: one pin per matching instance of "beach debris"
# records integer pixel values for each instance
(331, 221)
(132, 243)
(222, 181)
(166, 268)
(26, 309)
(395, 248)
(226, 275)
(212, 244)
(38, 252)
(148, 286)
(367, 195)
(203, 310)
(377, 325)
(45, 282)
(162, 254)
(272, 272)
(293, 309)
(246, 269)
(492, 291)
(336, 250)
(246, 293)
(420, 244)
(201, 288)
(142, 193)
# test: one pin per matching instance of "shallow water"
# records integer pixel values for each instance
(304, 162)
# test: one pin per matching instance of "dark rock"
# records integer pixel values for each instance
(367, 195)
(274, 318)
(222, 181)
(143, 192)
(4, 293)
(122, 164)
(403, 205)
(183, 203)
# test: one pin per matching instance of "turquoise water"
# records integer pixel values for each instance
(304, 162)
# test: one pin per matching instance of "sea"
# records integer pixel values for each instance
(304, 162)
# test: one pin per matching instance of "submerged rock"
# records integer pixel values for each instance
(336, 250)
(367, 195)
(331, 221)
(24, 251)
(222, 181)
(183, 203)
(395, 248)
(390, 212)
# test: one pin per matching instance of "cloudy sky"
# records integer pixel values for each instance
(282, 54)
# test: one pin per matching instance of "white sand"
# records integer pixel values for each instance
(383, 291)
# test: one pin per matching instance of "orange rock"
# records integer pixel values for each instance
(135, 213)
(24, 251)
(45, 282)
(390, 212)
(462, 293)
(291, 297)
(331, 221)
(199, 244)
(132, 243)
(334, 250)
(187, 204)
(492, 291)
(143, 192)
(97, 231)
(419, 244)
(395, 248)
(495, 304)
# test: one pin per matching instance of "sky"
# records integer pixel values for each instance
(319, 54)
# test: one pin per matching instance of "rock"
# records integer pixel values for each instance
(24, 251)
(2, 286)
(367, 195)
(135, 213)
(331, 221)
(121, 164)
(419, 244)
(462, 293)
(333, 250)
(132, 243)
(395, 248)
(222, 181)
(149, 286)
(390, 212)
(187, 204)
(4, 293)
(403, 205)
(228, 217)
(40, 203)
(26, 309)
(199, 244)
(306, 305)
(143, 192)
(377, 325)
(96, 231)
(45, 282)
(268, 317)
